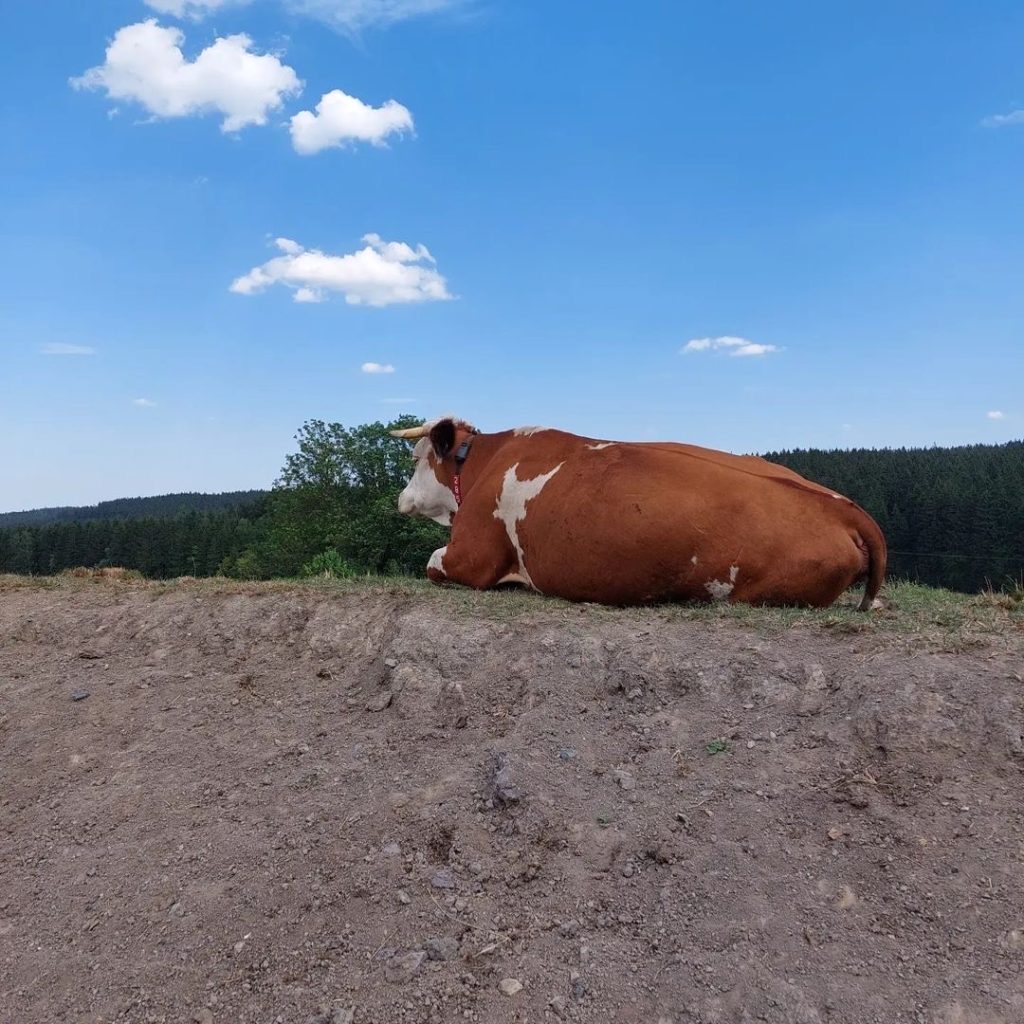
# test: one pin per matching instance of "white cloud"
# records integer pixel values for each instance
(144, 63)
(354, 15)
(194, 9)
(347, 15)
(341, 118)
(734, 346)
(60, 349)
(380, 274)
(996, 414)
(377, 368)
(144, 403)
(1001, 120)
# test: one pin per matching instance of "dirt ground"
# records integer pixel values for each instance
(381, 805)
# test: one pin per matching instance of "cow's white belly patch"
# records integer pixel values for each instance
(719, 589)
(511, 508)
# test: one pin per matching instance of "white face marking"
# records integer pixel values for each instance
(424, 494)
(437, 560)
(603, 444)
(527, 431)
(511, 507)
(694, 559)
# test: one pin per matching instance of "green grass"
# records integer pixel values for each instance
(944, 619)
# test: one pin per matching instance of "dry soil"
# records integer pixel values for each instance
(382, 805)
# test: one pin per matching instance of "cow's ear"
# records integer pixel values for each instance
(442, 437)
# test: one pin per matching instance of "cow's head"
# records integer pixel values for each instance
(430, 492)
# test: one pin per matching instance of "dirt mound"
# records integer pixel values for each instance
(285, 805)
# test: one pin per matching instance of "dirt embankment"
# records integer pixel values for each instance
(292, 806)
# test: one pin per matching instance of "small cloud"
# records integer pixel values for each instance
(144, 403)
(348, 16)
(1002, 120)
(380, 274)
(351, 16)
(377, 368)
(726, 343)
(996, 414)
(194, 9)
(341, 119)
(60, 349)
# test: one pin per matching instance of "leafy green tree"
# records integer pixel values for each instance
(339, 491)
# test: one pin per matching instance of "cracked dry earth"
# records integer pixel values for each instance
(310, 808)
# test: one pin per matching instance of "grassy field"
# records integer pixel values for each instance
(951, 621)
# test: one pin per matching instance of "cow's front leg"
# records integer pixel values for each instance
(435, 566)
(475, 557)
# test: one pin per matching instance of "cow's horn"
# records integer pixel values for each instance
(412, 433)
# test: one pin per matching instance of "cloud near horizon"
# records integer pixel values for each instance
(380, 274)
(144, 403)
(996, 414)
(58, 348)
(377, 368)
(726, 343)
(145, 64)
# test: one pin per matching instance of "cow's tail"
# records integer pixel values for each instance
(874, 540)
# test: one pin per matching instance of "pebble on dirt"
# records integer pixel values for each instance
(441, 947)
(380, 702)
(443, 878)
(510, 986)
(79, 695)
(400, 969)
(505, 789)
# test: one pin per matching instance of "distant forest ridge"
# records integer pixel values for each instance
(157, 507)
(952, 517)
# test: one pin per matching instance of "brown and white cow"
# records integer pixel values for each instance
(630, 523)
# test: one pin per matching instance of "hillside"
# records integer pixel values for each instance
(157, 506)
(367, 803)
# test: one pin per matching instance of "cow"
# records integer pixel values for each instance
(628, 523)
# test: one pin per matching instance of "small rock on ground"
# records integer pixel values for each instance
(400, 969)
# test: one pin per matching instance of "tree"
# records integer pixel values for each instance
(339, 492)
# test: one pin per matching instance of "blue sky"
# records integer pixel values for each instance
(840, 185)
